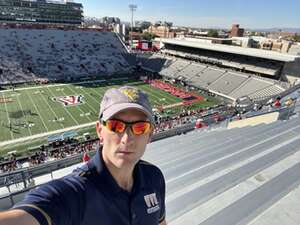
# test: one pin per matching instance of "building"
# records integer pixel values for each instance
(163, 23)
(111, 20)
(162, 31)
(121, 30)
(208, 40)
(136, 35)
(236, 31)
(282, 35)
(41, 12)
(142, 24)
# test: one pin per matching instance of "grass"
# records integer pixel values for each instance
(33, 110)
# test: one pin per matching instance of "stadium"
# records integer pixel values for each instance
(227, 118)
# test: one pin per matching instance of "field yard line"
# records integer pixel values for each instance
(55, 115)
(101, 93)
(66, 110)
(92, 96)
(93, 109)
(37, 111)
(156, 94)
(53, 85)
(11, 134)
(18, 100)
(153, 93)
(104, 90)
(57, 85)
(97, 100)
(45, 134)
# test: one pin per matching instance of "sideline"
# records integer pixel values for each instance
(58, 85)
(4, 143)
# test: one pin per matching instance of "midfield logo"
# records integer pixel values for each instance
(71, 100)
(152, 203)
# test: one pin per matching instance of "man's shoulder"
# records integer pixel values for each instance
(150, 169)
(82, 171)
(76, 180)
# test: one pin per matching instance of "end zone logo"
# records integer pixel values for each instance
(71, 100)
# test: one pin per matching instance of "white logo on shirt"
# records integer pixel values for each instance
(152, 203)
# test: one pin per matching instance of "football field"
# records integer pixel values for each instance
(42, 109)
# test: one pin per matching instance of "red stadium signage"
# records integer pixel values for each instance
(71, 100)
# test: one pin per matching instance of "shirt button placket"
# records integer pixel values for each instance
(133, 216)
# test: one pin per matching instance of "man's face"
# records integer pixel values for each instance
(123, 149)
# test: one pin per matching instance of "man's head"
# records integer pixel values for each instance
(123, 98)
(125, 125)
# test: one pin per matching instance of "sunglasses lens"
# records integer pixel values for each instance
(137, 128)
(115, 126)
(141, 128)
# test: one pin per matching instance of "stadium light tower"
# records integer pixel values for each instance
(132, 8)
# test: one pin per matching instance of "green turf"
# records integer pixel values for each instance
(32, 110)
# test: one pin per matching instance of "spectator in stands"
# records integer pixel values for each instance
(277, 103)
(115, 184)
(85, 157)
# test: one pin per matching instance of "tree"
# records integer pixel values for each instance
(148, 36)
(213, 33)
(297, 38)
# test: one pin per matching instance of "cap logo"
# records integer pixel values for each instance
(131, 94)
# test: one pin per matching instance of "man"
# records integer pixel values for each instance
(115, 187)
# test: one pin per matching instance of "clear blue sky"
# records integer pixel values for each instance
(203, 13)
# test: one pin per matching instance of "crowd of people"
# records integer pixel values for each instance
(58, 55)
(48, 154)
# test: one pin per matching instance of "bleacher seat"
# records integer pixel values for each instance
(28, 55)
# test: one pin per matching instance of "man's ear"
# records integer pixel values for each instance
(99, 131)
(150, 136)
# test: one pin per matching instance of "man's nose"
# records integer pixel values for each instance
(127, 135)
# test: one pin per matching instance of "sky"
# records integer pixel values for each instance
(250, 14)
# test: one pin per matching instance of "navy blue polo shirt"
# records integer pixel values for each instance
(91, 196)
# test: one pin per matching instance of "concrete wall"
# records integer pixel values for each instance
(265, 118)
(291, 71)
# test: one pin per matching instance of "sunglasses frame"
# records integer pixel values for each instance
(127, 124)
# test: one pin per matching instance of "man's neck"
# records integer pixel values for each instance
(123, 176)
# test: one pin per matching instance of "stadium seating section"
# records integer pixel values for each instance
(228, 83)
(249, 64)
(27, 55)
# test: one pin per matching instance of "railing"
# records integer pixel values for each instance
(25, 175)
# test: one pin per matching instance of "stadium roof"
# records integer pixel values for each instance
(271, 55)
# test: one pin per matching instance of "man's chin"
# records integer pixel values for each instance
(125, 160)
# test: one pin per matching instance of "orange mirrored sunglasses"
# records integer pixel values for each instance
(119, 126)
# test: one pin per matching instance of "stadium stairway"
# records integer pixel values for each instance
(203, 166)
(228, 176)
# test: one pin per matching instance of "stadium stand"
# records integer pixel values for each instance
(267, 92)
(31, 54)
(224, 176)
(223, 81)
(173, 69)
(228, 82)
(155, 63)
(191, 70)
(251, 85)
(226, 59)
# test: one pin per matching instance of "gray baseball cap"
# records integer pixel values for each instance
(126, 97)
